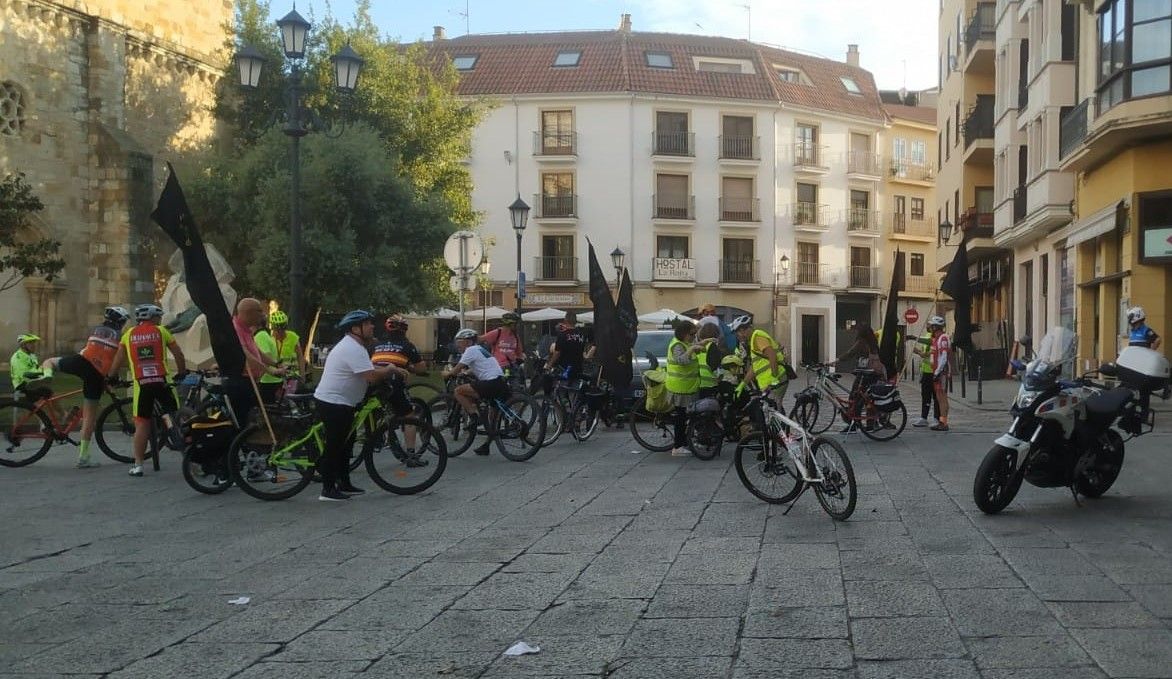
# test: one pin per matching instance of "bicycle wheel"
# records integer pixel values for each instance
(653, 431)
(552, 416)
(766, 469)
(452, 423)
(253, 468)
(584, 421)
(210, 478)
(805, 412)
(25, 434)
(520, 428)
(705, 436)
(396, 470)
(116, 418)
(837, 492)
(881, 426)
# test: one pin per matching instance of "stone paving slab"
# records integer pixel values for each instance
(617, 565)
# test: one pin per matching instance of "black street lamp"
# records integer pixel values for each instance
(617, 258)
(945, 231)
(519, 214)
(298, 123)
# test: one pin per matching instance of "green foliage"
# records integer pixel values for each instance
(377, 202)
(19, 257)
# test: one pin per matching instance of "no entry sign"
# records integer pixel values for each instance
(911, 316)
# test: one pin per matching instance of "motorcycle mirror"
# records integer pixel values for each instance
(1109, 369)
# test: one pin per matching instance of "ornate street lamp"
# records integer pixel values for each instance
(519, 215)
(945, 231)
(294, 29)
(618, 258)
(785, 264)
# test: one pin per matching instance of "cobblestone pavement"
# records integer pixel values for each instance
(616, 563)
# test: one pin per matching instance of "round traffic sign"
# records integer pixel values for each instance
(458, 284)
(463, 251)
(910, 316)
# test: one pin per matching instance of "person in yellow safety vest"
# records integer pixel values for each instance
(764, 356)
(709, 358)
(282, 345)
(683, 379)
(928, 401)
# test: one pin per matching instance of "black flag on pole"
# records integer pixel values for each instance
(956, 286)
(626, 332)
(174, 216)
(605, 323)
(889, 346)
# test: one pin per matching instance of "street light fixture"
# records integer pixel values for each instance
(618, 258)
(945, 231)
(785, 263)
(298, 123)
(519, 214)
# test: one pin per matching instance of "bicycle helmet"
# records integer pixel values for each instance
(116, 315)
(278, 318)
(395, 322)
(466, 334)
(936, 322)
(510, 318)
(732, 361)
(145, 312)
(741, 322)
(27, 337)
(353, 318)
(1136, 314)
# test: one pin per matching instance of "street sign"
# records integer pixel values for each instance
(911, 316)
(463, 251)
(521, 285)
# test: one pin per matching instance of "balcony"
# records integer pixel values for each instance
(906, 171)
(673, 207)
(555, 145)
(979, 35)
(739, 148)
(920, 286)
(673, 270)
(863, 165)
(1123, 125)
(740, 209)
(912, 229)
(977, 227)
(861, 221)
(978, 131)
(1019, 204)
(561, 206)
(557, 269)
(1072, 129)
(738, 271)
(863, 278)
(673, 145)
(812, 275)
(809, 216)
(809, 159)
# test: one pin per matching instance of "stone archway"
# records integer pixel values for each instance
(40, 309)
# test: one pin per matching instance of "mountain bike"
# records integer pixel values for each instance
(781, 460)
(278, 470)
(515, 423)
(31, 429)
(817, 405)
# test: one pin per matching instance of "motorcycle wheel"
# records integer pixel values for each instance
(998, 480)
(1098, 478)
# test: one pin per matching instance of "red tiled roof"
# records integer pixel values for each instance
(614, 61)
(919, 114)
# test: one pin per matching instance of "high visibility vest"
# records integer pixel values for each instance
(760, 365)
(682, 378)
(926, 349)
(283, 351)
(707, 377)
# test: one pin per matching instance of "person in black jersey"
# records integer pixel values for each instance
(566, 355)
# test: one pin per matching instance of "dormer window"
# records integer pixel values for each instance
(787, 74)
(465, 62)
(722, 65)
(658, 59)
(850, 85)
(567, 58)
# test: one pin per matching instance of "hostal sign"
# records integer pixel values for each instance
(675, 269)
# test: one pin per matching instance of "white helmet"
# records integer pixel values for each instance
(741, 322)
(936, 322)
(1136, 314)
(145, 312)
(466, 334)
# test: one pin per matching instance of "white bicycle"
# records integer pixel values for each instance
(779, 460)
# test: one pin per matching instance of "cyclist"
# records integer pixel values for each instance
(143, 347)
(567, 352)
(398, 352)
(763, 355)
(683, 378)
(26, 371)
(92, 364)
(1139, 334)
(489, 378)
(941, 352)
(503, 342)
(867, 368)
(344, 379)
(282, 346)
(709, 358)
(928, 402)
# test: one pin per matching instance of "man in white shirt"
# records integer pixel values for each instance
(342, 387)
(490, 379)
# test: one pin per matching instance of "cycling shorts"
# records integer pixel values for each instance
(147, 395)
(93, 383)
(490, 389)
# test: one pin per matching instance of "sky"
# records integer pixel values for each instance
(896, 38)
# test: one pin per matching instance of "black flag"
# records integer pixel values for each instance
(956, 286)
(174, 216)
(626, 331)
(889, 346)
(605, 322)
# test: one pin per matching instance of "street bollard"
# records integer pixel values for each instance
(980, 384)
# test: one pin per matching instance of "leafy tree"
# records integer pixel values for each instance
(20, 259)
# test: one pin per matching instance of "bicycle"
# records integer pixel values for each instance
(278, 470)
(858, 408)
(30, 429)
(513, 422)
(208, 476)
(123, 421)
(786, 461)
(419, 409)
(717, 419)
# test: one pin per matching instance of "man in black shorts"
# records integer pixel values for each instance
(490, 378)
(566, 355)
(398, 351)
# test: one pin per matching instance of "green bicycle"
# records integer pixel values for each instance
(269, 470)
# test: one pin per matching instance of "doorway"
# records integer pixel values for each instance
(811, 347)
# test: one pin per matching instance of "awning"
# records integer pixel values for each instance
(546, 314)
(492, 313)
(1097, 224)
(587, 317)
(662, 317)
(442, 314)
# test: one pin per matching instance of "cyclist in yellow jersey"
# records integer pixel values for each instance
(763, 356)
(284, 347)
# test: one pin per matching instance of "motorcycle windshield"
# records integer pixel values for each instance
(1058, 346)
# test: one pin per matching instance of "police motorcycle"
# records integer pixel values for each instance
(1069, 433)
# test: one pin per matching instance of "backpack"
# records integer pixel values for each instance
(208, 437)
(655, 384)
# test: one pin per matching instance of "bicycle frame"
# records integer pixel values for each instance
(796, 432)
(280, 455)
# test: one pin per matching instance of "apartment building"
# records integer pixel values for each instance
(1116, 139)
(725, 171)
(965, 190)
(910, 192)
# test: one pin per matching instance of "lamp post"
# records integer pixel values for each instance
(945, 231)
(519, 214)
(617, 258)
(298, 123)
(485, 287)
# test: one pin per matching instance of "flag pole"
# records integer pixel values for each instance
(309, 340)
